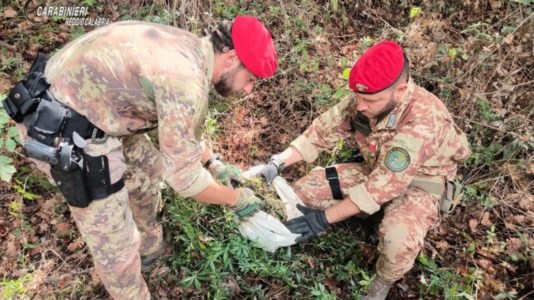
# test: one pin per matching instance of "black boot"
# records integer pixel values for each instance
(148, 260)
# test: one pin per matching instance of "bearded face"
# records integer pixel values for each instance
(376, 106)
(390, 106)
(225, 85)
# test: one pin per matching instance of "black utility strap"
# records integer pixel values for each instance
(104, 191)
(333, 181)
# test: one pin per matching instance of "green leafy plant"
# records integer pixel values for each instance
(414, 12)
(15, 288)
(77, 32)
(8, 142)
(319, 292)
(439, 281)
(211, 127)
(477, 192)
(212, 251)
(11, 64)
(20, 187)
(366, 280)
(506, 295)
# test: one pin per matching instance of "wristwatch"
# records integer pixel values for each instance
(208, 163)
(278, 163)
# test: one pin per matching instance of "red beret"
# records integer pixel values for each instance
(378, 68)
(254, 46)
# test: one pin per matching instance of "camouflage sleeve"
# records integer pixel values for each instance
(180, 101)
(456, 140)
(397, 164)
(325, 131)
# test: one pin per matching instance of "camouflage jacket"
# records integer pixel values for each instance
(418, 138)
(131, 76)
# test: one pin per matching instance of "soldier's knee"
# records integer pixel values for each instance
(300, 187)
(397, 251)
(398, 244)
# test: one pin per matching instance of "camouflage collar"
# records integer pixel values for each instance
(207, 49)
(390, 121)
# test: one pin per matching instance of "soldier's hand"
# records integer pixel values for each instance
(247, 204)
(268, 172)
(227, 174)
(311, 224)
(272, 169)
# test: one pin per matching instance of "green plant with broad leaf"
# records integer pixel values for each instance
(8, 142)
(445, 282)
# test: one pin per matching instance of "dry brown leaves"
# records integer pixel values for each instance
(76, 244)
(10, 12)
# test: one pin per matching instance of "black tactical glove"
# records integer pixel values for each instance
(272, 169)
(312, 224)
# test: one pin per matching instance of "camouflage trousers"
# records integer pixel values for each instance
(406, 221)
(123, 226)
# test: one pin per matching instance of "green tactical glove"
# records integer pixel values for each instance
(227, 174)
(247, 204)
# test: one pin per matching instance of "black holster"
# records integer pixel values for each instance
(72, 184)
(82, 184)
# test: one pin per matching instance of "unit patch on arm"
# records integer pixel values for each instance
(397, 159)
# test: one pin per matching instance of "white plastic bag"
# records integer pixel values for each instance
(288, 196)
(265, 230)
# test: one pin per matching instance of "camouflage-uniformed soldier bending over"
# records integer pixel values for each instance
(410, 147)
(85, 109)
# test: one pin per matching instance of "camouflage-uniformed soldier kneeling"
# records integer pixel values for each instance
(84, 111)
(410, 147)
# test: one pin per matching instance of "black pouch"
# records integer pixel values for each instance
(25, 96)
(19, 102)
(73, 185)
(48, 122)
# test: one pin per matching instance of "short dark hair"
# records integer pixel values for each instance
(406, 68)
(221, 37)
(404, 76)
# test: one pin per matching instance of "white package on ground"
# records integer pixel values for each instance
(265, 230)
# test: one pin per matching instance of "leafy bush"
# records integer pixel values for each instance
(9, 138)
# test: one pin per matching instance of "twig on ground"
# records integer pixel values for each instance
(8, 46)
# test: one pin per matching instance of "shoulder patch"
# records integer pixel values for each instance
(397, 159)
